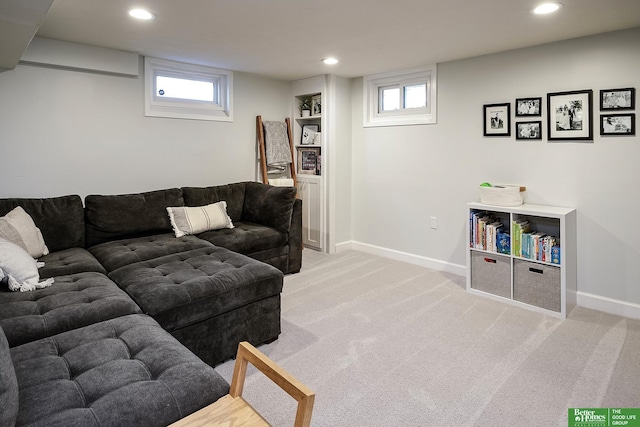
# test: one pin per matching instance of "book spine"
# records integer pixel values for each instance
(516, 237)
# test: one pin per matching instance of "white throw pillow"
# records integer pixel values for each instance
(18, 227)
(19, 268)
(194, 220)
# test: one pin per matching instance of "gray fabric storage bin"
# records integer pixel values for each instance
(537, 284)
(491, 273)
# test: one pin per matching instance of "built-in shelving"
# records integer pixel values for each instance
(309, 160)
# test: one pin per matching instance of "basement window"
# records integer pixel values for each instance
(400, 98)
(187, 91)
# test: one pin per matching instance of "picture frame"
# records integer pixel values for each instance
(529, 130)
(308, 161)
(617, 124)
(308, 133)
(497, 119)
(528, 107)
(570, 116)
(316, 105)
(618, 99)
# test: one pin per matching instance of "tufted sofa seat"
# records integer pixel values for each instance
(118, 253)
(121, 372)
(69, 261)
(193, 294)
(75, 301)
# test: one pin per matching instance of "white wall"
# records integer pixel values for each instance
(403, 175)
(71, 132)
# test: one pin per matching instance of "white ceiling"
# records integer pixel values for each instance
(19, 21)
(287, 39)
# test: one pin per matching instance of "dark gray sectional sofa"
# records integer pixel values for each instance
(123, 334)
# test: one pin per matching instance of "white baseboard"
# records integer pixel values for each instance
(434, 264)
(608, 305)
(344, 246)
(584, 299)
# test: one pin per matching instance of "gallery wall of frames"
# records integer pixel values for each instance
(570, 116)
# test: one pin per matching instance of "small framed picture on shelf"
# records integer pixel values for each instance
(309, 132)
(497, 119)
(528, 107)
(529, 130)
(617, 124)
(316, 105)
(570, 115)
(308, 160)
(618, 99)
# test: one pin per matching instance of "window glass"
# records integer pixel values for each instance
(390, 99)
(415, 96)
(194, 90)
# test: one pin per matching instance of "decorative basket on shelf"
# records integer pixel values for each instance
(502, 195)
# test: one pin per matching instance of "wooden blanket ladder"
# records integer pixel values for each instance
(290, 170)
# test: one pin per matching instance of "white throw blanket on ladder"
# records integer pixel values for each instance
(276, 141)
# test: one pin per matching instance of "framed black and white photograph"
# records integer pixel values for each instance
(618, 99)
(529, 130)
(497, 119)
(316, 105)
(528, 107)
(570, 116)
(309, 132)
(618, 124)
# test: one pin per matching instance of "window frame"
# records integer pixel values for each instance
(221, 109)
(372, 99)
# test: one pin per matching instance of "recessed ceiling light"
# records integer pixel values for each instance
(141, 14)
(330, 61)
(545, 8)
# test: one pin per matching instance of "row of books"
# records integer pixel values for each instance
(488, 233)
(530, 244)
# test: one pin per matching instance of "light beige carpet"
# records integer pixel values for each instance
(385, 343)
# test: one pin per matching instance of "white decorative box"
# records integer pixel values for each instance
(502, 195)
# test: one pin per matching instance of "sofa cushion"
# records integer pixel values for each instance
(189, 287)
(18, 227)
(69, 261)
(72, 302)
(267, 205)
(60, 219)
(233, 194)
(246, 238)
(8, 385)
(116, 254)
(196, 219)
(123, 216)
(121, 372)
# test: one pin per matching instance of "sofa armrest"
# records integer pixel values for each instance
(270, 206)
(295, 239)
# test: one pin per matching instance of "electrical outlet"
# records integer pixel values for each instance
(434, 222)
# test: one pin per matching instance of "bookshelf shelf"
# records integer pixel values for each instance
(531, 264)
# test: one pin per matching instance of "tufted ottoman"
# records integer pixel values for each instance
(73, 301)
(210, 298)
(121, 372)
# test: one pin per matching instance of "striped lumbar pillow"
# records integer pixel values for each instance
(18, 227)
(194, 220)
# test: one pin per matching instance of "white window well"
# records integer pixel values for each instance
(400, 98)
(187, 91)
